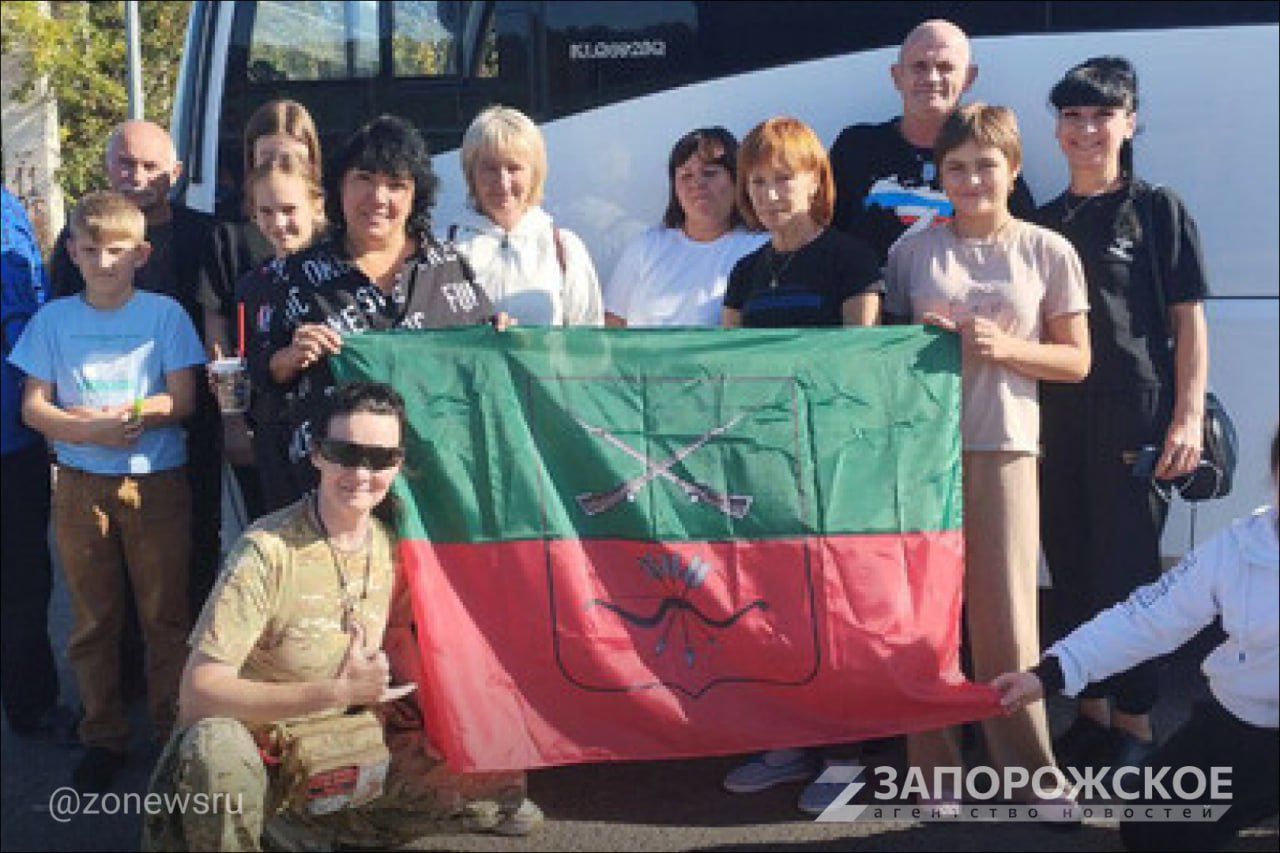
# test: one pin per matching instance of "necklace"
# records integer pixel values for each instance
(349, 601)
(775, 269)
(1070, 210)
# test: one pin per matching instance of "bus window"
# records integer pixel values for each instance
(424, 41)
(341, 40)
(313, 41)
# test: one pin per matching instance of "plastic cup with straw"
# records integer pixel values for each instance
(229, 375)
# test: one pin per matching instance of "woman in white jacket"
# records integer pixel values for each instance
(1235, 575)
(536, 272)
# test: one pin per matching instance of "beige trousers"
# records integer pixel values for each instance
(1002, 540)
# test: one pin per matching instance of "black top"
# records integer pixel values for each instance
(885, 185)
(256, 290)
(322, 284)
(236, 248)
(806, 287)
(1128, 323)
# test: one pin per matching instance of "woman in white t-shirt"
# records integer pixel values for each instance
(675, 274)
(1015, 294)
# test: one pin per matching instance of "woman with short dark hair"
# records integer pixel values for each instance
(292, 640)
(675, 274)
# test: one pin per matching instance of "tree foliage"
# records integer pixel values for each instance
(80, 49)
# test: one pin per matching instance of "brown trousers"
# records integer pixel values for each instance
(102, 523)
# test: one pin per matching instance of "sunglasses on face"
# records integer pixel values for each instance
(350, 454)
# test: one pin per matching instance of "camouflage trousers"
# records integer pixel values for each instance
(218, 756)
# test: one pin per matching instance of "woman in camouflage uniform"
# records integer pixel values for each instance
(300, 626)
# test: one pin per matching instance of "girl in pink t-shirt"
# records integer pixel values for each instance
(1015, 295)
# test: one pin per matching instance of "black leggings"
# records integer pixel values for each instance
(1214, 737)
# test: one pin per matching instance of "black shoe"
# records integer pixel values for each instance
(56, 726)
(1127, 750)
(96, 771)
(1086, 743)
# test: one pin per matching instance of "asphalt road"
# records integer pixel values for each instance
(670, 805)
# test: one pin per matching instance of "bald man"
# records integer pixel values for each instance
(142, 164)
(886, 179)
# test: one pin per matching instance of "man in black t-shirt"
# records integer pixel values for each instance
(886, 178)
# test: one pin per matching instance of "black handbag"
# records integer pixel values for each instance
(1216, 473)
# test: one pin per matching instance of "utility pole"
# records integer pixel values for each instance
(134, 58)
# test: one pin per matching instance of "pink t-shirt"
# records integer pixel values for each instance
(1020, 277)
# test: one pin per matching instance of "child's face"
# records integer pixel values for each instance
(108, 264)
(977, 179)
(285, 213)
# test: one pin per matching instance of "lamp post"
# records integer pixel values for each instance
(134, 58)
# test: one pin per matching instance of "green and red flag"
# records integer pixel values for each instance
(628, 544)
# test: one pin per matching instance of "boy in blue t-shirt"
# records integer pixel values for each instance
(108, 381)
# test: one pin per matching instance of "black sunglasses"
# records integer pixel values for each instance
(350, 454)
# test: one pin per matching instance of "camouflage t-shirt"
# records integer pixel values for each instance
(276, 612)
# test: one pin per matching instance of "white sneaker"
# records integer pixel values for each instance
(520, 822)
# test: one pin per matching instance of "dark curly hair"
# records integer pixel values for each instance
(388, 145)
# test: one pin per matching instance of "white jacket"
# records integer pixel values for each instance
(521, 273)
(1235, 574)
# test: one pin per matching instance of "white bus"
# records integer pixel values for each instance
(614, 84)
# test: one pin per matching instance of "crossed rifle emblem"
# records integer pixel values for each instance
(594, 503)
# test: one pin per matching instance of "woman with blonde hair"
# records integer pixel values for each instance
(530, 268)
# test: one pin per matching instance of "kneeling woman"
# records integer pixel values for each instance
(295, 632)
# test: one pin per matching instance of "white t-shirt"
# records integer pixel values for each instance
(666, 279)
(1020, 277)
(521, 273)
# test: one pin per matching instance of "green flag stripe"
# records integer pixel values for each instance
(672, 434)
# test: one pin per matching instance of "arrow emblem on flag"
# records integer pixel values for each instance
(594, 503)
(668, 572)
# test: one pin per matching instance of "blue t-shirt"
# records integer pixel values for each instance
(97, 357)
(25, 287)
